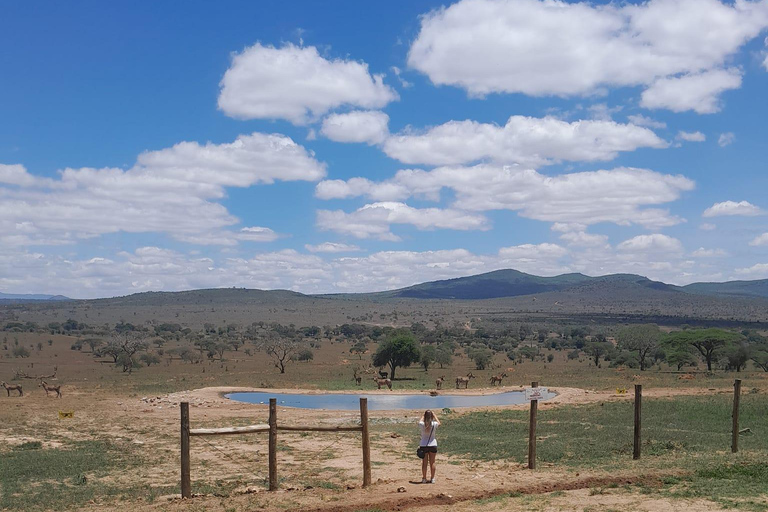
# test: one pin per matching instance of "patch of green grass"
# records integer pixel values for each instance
(59, 478)
(739, 485)
(596, 435)
(29, 445)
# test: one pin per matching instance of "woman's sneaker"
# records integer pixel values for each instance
(432, 481)
(424, 481)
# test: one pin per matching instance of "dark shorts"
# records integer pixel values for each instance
(429, 449)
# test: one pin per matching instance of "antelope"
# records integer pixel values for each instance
(13, 387)
(497, 378)
(357, 378)
(379, 382)
(464, 380)
(48, 388)
(439, 382)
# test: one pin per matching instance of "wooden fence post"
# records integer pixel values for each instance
(736, 400)
(273, 444)
(186, 484)
(638, 407)
(532, 431)
(366, 442)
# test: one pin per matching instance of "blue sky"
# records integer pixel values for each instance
(363, 146)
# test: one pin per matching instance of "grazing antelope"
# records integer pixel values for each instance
(497, 378)
(383, 375)
(358, 378)
(48, 388)
(439, 382)
(379, 382)
(13, 387)
(464, 380)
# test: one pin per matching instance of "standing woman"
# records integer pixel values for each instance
(428, 426)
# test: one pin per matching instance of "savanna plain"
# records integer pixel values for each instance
(112, 439)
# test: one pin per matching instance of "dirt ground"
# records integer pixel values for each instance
(306, 462)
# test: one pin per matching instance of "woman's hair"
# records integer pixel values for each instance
(428, 417)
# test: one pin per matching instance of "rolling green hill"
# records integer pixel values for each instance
(731, 288)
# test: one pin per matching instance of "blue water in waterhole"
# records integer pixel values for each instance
(382, 402)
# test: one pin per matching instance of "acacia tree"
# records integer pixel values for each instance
(400, 349)
(642, 339)
(709, 342)
(597, 349)
(280, 349)
(123, 346)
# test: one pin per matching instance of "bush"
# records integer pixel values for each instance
(305, 355)
(20, 352)
(550, 358)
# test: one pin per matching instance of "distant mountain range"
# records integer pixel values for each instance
(502, 292)
(21, 297)
(513, 283)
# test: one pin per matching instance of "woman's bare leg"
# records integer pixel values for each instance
(424, 463)
(432, 457)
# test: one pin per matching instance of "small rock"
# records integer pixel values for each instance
(351, 486)
(401, 489)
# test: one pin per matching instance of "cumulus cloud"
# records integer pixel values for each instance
(374, 220)
(370, 127)
(331, 247)
(174, 191)
(586, 198)
(641, 120)
(297, 84)
(759, 240)
(732, 208)
(698, 92)
(701, 252)
(524, 140)
(556, 48)
(691, 136)
(726, 139)
(757, 271)
(655, 243)
(584, 239)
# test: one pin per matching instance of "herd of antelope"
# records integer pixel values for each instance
(382, 379)
(47, 387)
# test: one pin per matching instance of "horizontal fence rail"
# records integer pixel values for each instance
(270, 428)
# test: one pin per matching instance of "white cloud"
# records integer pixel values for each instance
(759, 240)
(656, 243)
(641, 120)
(174, 191)
(532, 252)
(757, 271)
(257, 234)
(698, 92)
(298, 84)
(707, 226)
(691, 136)
(331, 247)
(726, 139)
(708, 253)
(524, 140)
(732, 208)
(583, 239)
(586, 198)
(359, 126)
(374, 220)
(403, 82)
(565, 49)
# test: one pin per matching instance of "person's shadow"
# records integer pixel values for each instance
(418, 482)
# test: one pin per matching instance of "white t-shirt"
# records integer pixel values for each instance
(428, 434)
